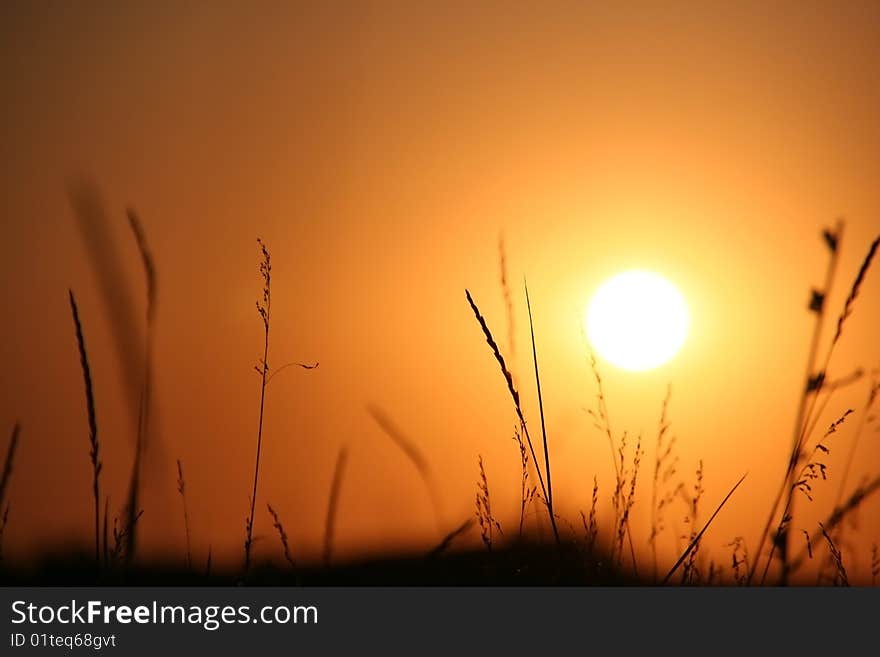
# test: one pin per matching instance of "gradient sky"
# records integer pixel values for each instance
(380, 149)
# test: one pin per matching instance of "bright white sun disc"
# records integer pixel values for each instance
(637, 320)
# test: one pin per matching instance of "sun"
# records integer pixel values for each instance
(637, 320)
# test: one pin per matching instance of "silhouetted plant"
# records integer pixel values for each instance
(181, 488)
(333, 503)
(488, 523)
(264, 308)
(276, 523)
(93, 425)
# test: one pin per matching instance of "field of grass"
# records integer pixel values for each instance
(573, 551)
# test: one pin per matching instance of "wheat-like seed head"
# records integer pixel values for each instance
(854, 292)
(276, 523)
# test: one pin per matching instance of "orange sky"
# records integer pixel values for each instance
(380, 150)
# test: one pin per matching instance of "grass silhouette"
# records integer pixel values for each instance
(599, 557)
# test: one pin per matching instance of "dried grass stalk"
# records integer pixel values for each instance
(413, 453)
(549, 491)
(527, 491)
(264, 308)
(854, 291)
(875, 563)
(181, 488)
(276, 523)
(94, 446)
(4, 520)
(695, 541)
(8, 463)
(840, 576)
(508, 377)
(333, 503)
(508, 298)
(146, 398)
(4, 481)
(488, 522)
(443, 545)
